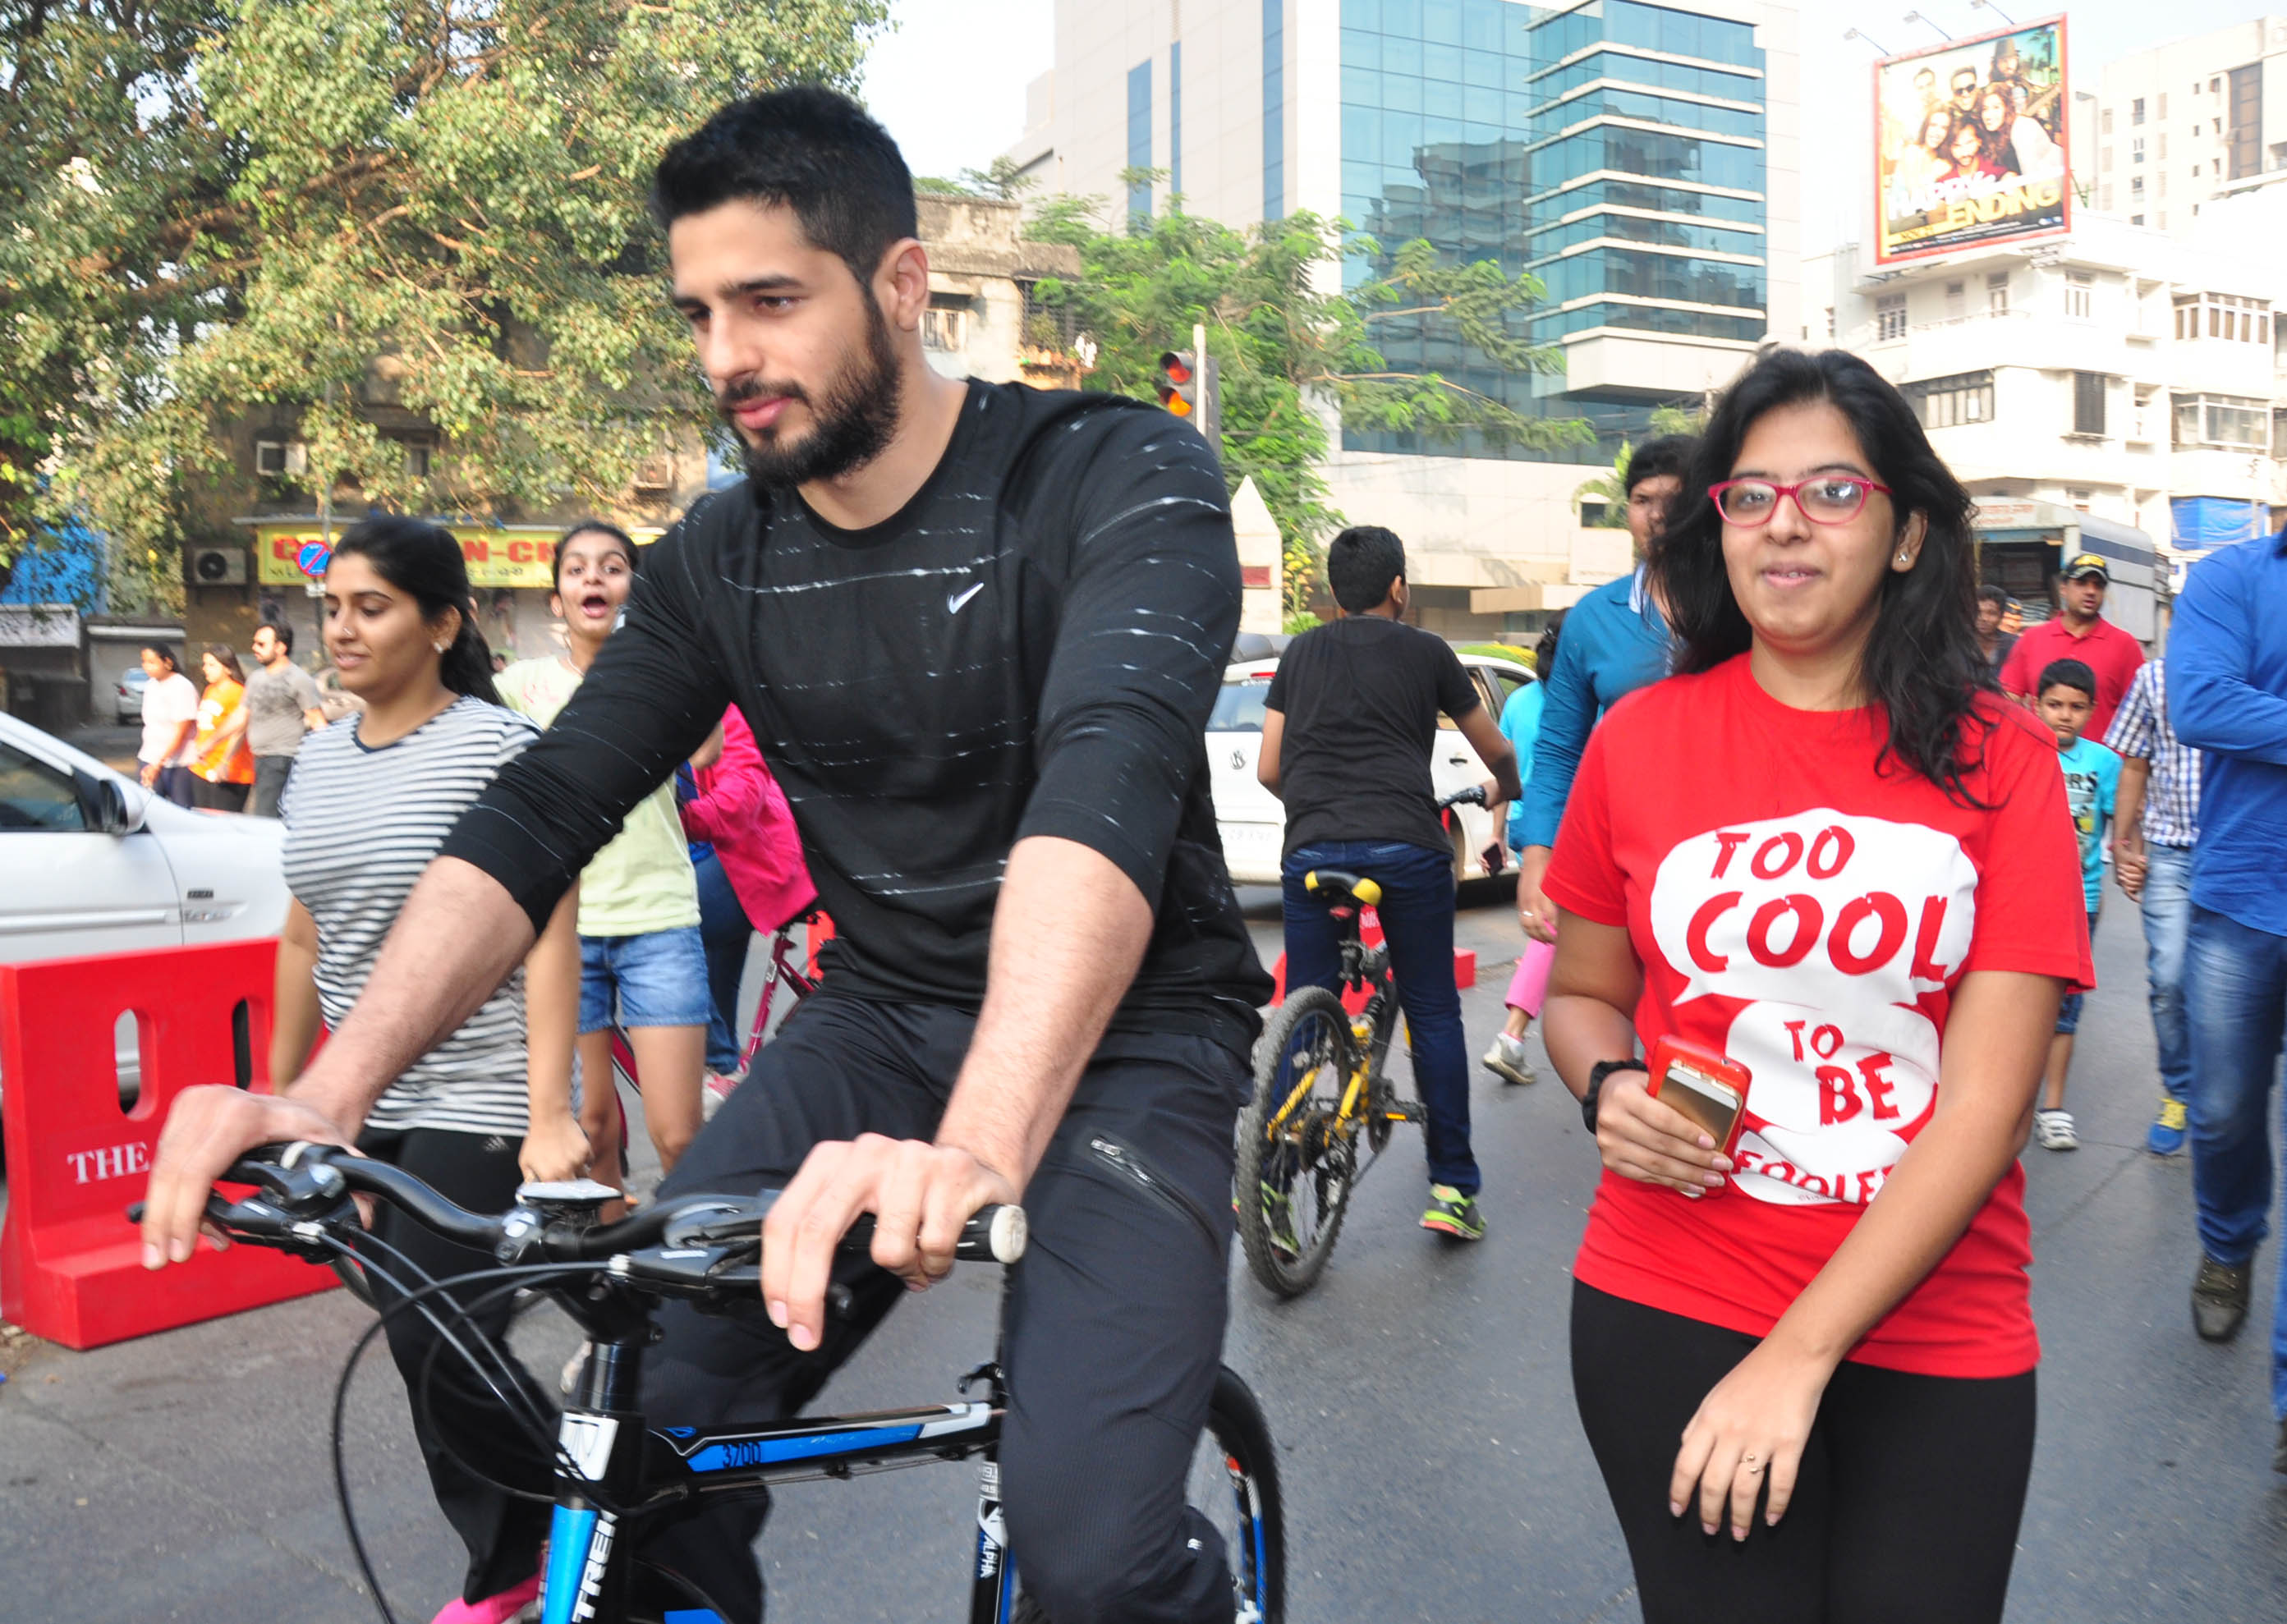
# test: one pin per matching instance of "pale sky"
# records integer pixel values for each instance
(950, 80)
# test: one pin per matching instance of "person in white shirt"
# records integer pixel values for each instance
(171, 716)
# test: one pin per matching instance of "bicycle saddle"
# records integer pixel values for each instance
(1356, 887)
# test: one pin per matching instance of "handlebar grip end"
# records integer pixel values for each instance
(1368, 893)
(1008, 1234)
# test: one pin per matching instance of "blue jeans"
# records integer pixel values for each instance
(656, 979)
(2237, 982)
(1417, 922)
(725, 933)
(2167, 904)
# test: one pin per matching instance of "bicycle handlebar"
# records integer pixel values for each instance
(303, 1189)
(1472, 796)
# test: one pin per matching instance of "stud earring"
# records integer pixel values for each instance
(440, 648)
(1901, 558)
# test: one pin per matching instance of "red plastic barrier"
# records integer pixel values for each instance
(70, 1264)
(1465, 968)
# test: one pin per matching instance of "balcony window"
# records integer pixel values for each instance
(2223, 423)
(1951, 402)
(2079, 294)
(1889, 318)
(2222, 315)
(2088, 403)
(2136, 111)
(1996, 293)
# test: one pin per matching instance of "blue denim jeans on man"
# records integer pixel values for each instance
(2237, 980)
(2167, 905)
(1417, 922)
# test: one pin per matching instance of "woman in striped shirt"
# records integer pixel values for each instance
(372, 797)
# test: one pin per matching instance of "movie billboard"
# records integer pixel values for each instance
(1970, 143)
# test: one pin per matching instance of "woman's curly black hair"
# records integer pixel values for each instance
(1922, 664)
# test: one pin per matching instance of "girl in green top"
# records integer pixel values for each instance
(643, 967)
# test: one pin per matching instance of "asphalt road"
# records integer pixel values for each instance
(1434, 1468)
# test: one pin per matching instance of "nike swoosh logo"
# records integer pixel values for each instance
(955, 602)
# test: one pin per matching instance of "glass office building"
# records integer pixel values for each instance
(1613, 149)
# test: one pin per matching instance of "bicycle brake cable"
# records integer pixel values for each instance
(537, 1422)
(406, 1300)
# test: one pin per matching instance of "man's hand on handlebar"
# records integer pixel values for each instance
(207, 1130)
(921, 1193)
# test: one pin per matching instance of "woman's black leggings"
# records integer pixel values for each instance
(1905, 1510)
(486, 1449)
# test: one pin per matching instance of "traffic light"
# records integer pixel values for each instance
(1187, 389)
(1179, 384)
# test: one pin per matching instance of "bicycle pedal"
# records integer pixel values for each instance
(1408, 1110)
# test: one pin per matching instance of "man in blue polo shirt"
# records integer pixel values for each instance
(2227, 696)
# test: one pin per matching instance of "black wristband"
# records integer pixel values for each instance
(1597, 1073)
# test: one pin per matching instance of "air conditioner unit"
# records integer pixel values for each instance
(282, 459)
(218, 566)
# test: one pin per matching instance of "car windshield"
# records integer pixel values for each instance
(1239, 707)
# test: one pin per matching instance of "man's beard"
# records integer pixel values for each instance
(854, 419)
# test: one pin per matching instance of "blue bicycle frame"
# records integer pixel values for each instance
(607, 1458)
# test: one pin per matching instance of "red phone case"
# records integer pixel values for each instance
(1711, 1064)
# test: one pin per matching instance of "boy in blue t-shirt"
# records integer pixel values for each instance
(2065, 696)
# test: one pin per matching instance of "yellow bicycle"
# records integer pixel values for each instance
(1323, 1108)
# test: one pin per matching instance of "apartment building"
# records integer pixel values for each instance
(2191, 122)
(2118, 375)
(1641, 159)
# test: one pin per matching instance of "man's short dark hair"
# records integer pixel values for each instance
(1669, 455)
(2066, 674)
(806, 149)
(1362, 564)
(1993, 595)
(279, 630)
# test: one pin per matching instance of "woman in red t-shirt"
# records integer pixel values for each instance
(1829, 849)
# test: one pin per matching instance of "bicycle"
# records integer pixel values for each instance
(614, 1470)
(1319, 1091)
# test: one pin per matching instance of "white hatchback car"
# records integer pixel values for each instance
(1254, 823)
(96, 863)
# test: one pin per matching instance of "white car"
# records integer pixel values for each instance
(96, 864)
(1254, 823)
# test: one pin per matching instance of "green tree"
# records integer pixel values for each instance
(105, 166)
(430, 207)
(1292, 357)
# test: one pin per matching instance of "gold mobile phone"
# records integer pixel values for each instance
(1705, 1086)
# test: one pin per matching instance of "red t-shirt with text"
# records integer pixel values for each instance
(1807, 910)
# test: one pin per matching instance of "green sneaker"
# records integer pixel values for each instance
(1278, 1220)
(1453, 1213)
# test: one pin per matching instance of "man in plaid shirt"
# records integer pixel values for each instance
(2154, 828)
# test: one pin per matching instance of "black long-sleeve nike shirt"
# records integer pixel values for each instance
(1030, 646)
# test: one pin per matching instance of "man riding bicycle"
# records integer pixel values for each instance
(977, 630)
(1347, 731)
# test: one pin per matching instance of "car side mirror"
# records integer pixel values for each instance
(102, 807)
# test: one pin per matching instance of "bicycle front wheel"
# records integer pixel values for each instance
(1234, 1484)
(1297, 1157)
